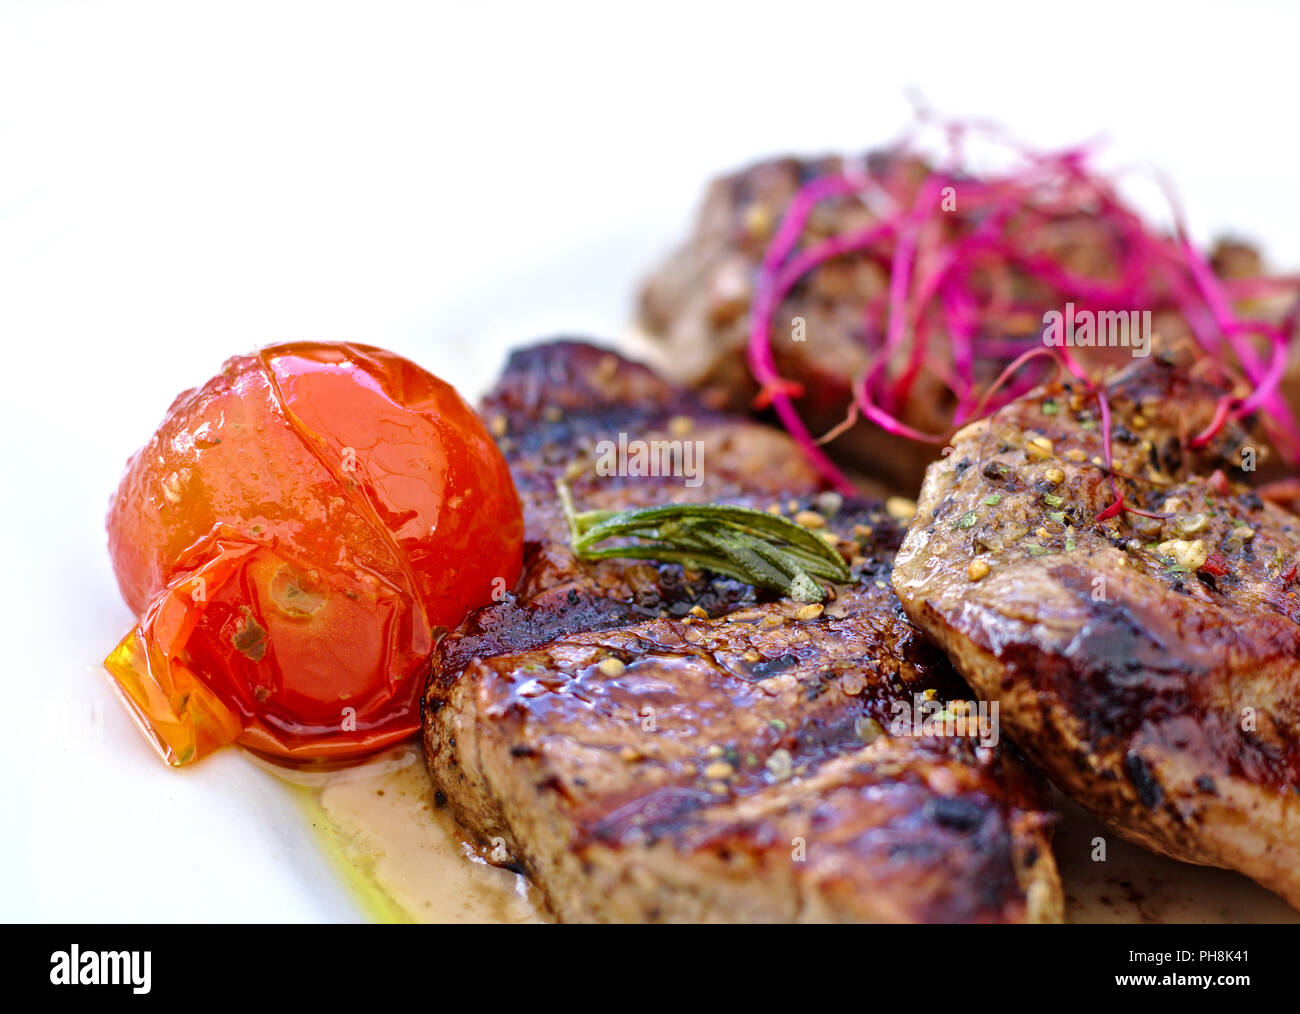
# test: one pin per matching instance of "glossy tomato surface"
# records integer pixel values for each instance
(295, 537)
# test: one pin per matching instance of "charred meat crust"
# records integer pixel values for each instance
(653, 745)
(1150, 666)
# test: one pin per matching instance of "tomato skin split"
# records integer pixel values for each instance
(294, 538)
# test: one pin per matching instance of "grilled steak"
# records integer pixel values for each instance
(648, 743)
(697, 305)
(1150, 666)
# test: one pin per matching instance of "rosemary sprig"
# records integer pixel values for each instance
(765, 550)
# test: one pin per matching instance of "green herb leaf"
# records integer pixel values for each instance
(765, 550)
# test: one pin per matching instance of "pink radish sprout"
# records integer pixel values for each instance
(954, 273)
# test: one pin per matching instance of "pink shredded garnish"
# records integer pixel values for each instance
(952, 273)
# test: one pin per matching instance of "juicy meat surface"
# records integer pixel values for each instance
(1149, 666)
(649, 744)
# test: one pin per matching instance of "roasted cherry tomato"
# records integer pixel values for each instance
(294, 538)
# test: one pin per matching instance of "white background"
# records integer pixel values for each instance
(183, 181)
